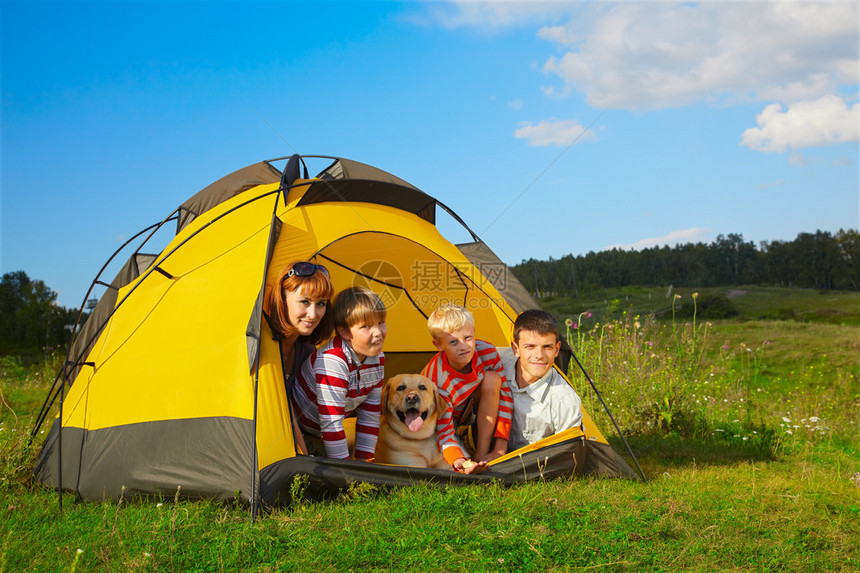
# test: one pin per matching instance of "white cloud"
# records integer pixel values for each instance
(654, 54)
(825, 121)
(559, 34)
(844, 161)
(774, 184)
(516, 104)
(561, 132)
(484, 14)
(693, 235)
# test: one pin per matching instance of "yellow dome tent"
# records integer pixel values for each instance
(175, 378)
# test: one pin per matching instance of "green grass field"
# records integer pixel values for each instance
(748, 429)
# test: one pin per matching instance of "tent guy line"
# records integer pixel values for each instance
(547, 168)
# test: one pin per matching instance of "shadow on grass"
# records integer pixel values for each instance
(655, 453)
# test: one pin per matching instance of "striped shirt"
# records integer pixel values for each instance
(333, 383)
(456, 387)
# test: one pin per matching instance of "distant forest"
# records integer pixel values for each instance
(817, 260)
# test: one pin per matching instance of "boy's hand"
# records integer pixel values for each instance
(465, 466)
(500, 448)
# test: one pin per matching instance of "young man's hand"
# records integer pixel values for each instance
(465, 466)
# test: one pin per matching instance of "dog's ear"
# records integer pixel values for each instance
(386, 390)
(383, 404)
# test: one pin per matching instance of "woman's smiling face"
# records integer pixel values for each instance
(305, 312)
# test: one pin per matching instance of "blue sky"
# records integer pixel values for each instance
(551, 128)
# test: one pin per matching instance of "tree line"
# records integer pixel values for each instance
(32, 324)
(819, 260)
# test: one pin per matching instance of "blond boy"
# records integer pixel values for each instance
(469, 375)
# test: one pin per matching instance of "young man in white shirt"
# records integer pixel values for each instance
(544, 403)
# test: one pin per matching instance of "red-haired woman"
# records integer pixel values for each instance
(296, 312)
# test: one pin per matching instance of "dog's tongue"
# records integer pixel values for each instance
(414, 420)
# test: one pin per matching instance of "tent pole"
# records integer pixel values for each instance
(254, 494)
(65, 372)
(60, 442)
(270, 245)
(611, 417)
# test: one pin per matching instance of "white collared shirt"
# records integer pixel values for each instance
(541, 409)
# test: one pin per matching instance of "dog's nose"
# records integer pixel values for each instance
(412, 399)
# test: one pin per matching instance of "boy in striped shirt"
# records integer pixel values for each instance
(345, 376)
(471, 379)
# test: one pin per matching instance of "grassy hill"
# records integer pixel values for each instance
(750, 303)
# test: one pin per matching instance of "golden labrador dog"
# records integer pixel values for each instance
(407, 424)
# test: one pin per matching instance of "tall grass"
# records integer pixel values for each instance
(688, 378)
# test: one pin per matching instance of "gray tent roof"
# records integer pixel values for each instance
(377, 186)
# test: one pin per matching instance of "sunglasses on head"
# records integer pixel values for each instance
(304, 269)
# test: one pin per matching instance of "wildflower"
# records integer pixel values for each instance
(786, 420)
(725, 346)
(158, 504)
(695, 295)
(575, 326)
(677, 296)
(569, 323)
(856, 479)
(766, 342)
(588, 314)
(788, 432)
(814, 419)
(636, 324)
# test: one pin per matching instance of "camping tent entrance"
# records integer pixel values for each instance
(414, 269)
